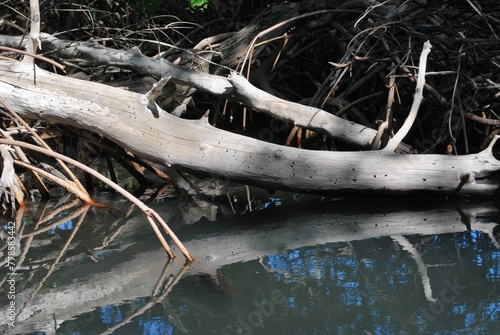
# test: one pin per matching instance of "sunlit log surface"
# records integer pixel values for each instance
(194, 145)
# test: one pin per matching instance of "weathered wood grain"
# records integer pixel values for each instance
(196, 146)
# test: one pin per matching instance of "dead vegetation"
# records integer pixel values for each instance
(356, 60)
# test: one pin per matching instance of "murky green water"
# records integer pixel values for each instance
(335, 268)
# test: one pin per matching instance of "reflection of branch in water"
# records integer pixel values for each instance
(422, 267)
(19, 226)
(493, 233)
(464, 218)
(56, 261)
(117, 228)
(45, 217)
(155, 298)
(24, 249)
(68, 217)
(168, 287)
(27, 243)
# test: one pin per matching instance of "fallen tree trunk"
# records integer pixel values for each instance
(194, 145)
(238, 88)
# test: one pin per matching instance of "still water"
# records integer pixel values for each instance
(333, 267)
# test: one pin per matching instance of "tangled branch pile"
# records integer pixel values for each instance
(355, 59)
(358, 61)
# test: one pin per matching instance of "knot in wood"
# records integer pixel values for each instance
(277, 154)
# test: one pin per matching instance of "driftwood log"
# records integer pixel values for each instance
(139, 125)
(194, 145)
(237, 88)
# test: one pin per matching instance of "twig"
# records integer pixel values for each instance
(368, 10)
(251, 46)
(20, 154)
(68, 184)
(42, 58)
(388, 112)
(475, 118)
(480, 13)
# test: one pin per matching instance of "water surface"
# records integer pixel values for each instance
(327, 268)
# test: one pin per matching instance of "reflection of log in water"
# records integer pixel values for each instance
(496, 235)
(133, 272)
(158, 294)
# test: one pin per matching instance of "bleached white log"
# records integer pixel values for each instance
(235, 86)
(195, 145)
(303, 116)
